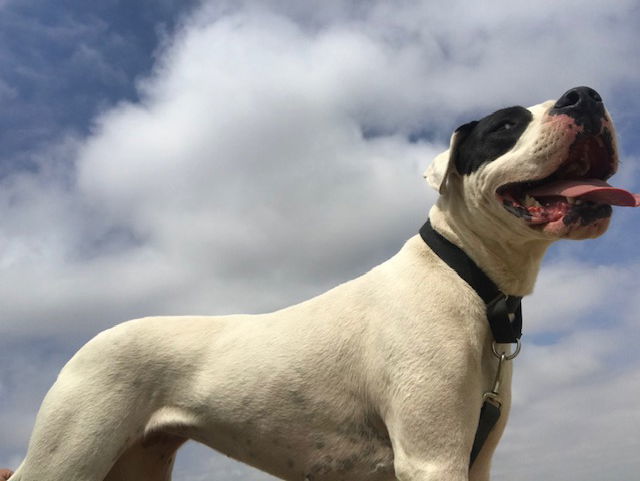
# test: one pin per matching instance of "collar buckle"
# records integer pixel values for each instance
(504, 314)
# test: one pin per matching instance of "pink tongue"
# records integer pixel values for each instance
(594, 190)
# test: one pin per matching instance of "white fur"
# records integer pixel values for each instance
(378, 379)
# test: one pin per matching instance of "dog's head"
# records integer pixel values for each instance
(537, 171)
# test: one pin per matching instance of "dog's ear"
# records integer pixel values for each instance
(442, 165)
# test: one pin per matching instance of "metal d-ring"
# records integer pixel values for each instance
(507, 357)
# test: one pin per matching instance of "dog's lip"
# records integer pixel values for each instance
(576, 185)
(589, 157)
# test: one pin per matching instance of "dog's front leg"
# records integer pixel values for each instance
(432, 425)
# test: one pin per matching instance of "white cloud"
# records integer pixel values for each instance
(575, 395)
(570, 291)
(575, 413)
(269, 159)
(6, 91)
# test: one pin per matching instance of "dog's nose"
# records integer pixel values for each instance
(582, 104)
(579, 98)
(583, 99)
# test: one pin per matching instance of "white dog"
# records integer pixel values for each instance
(379, 379)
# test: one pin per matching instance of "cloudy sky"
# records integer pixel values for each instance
(171, 156)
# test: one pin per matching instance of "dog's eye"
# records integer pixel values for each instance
(504, 126)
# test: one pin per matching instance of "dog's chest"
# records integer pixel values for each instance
(352, 451)
(317, 442)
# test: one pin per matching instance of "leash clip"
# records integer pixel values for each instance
(494, 395)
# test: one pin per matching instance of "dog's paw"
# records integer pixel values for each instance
(5, 474)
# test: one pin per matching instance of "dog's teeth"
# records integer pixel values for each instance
(531, 202)
(578, 202)
(571, 200)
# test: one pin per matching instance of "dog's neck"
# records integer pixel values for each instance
(512, 266)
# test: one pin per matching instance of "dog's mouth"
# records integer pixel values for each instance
(577, 192)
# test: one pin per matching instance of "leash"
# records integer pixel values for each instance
(504, 314)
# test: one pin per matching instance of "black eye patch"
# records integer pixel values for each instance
(487, 139)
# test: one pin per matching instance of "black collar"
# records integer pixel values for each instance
(504, 312)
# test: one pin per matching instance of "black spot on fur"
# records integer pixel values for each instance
(482, 141)
(346, 464)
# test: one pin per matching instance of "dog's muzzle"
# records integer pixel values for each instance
(576, 191)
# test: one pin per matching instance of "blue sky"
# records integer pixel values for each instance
(165, 157)
(64, 61)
